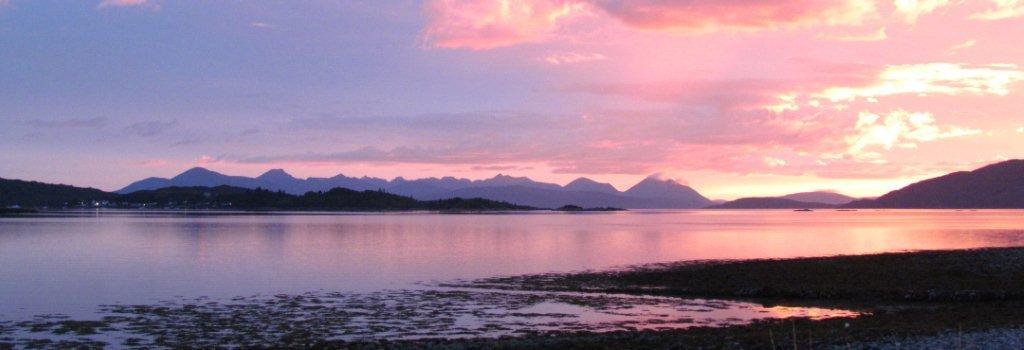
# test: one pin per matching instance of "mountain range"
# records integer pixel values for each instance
(652, 192)
(770, 203)
(999, 185)
(824, 197)
(802, 200)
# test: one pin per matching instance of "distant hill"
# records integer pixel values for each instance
(195, 177)
(38, 194)
(826, 197)
(650, 193)
(769, 203)
(335, 199)
(587, 185)
(996, 186)
(28, 194)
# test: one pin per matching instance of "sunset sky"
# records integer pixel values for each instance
(734, 97)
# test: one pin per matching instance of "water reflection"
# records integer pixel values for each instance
(72, 264)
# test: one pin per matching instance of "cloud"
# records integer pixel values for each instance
(206, 159)
(488, 24)
(261, 25)
(898, 128)
(774, 162)
(501, 167)
(150, 128)
(698, 15)
(877, 35)
(1004, 9)
(703, 92)
(122, 3)
(96, 122)
(933, 79)
(913, 9)
(572, 58)
(151, 163)
(964, 45)
(597, 141)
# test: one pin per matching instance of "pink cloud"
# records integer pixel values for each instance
(573, 58)
(152, 163)
(693, 15)
(914, 9)
(479, 25)
(487, 24)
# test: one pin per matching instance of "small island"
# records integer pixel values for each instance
(575, 208)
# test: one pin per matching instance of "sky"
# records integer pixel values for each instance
(735, 97)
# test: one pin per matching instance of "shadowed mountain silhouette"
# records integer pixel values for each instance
(826, 197)
(32, 194)
(588, 185)
(278, 179)
(653, 187)
(995, 186)
(769, 203)
(650, 193)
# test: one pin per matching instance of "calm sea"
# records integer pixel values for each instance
(70, 264)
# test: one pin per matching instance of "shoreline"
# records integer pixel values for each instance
(922, 299)
(981, 274)
(890, 317)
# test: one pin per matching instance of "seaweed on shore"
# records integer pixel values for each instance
(972, 308)
(991, 274)
(331, 319)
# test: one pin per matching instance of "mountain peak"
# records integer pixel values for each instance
(657, 186)
(588, 185)
(659, 178)
(197, 169)
(583, 180)
(276, 174)
(196, 172)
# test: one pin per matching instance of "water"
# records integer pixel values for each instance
(71, 264)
